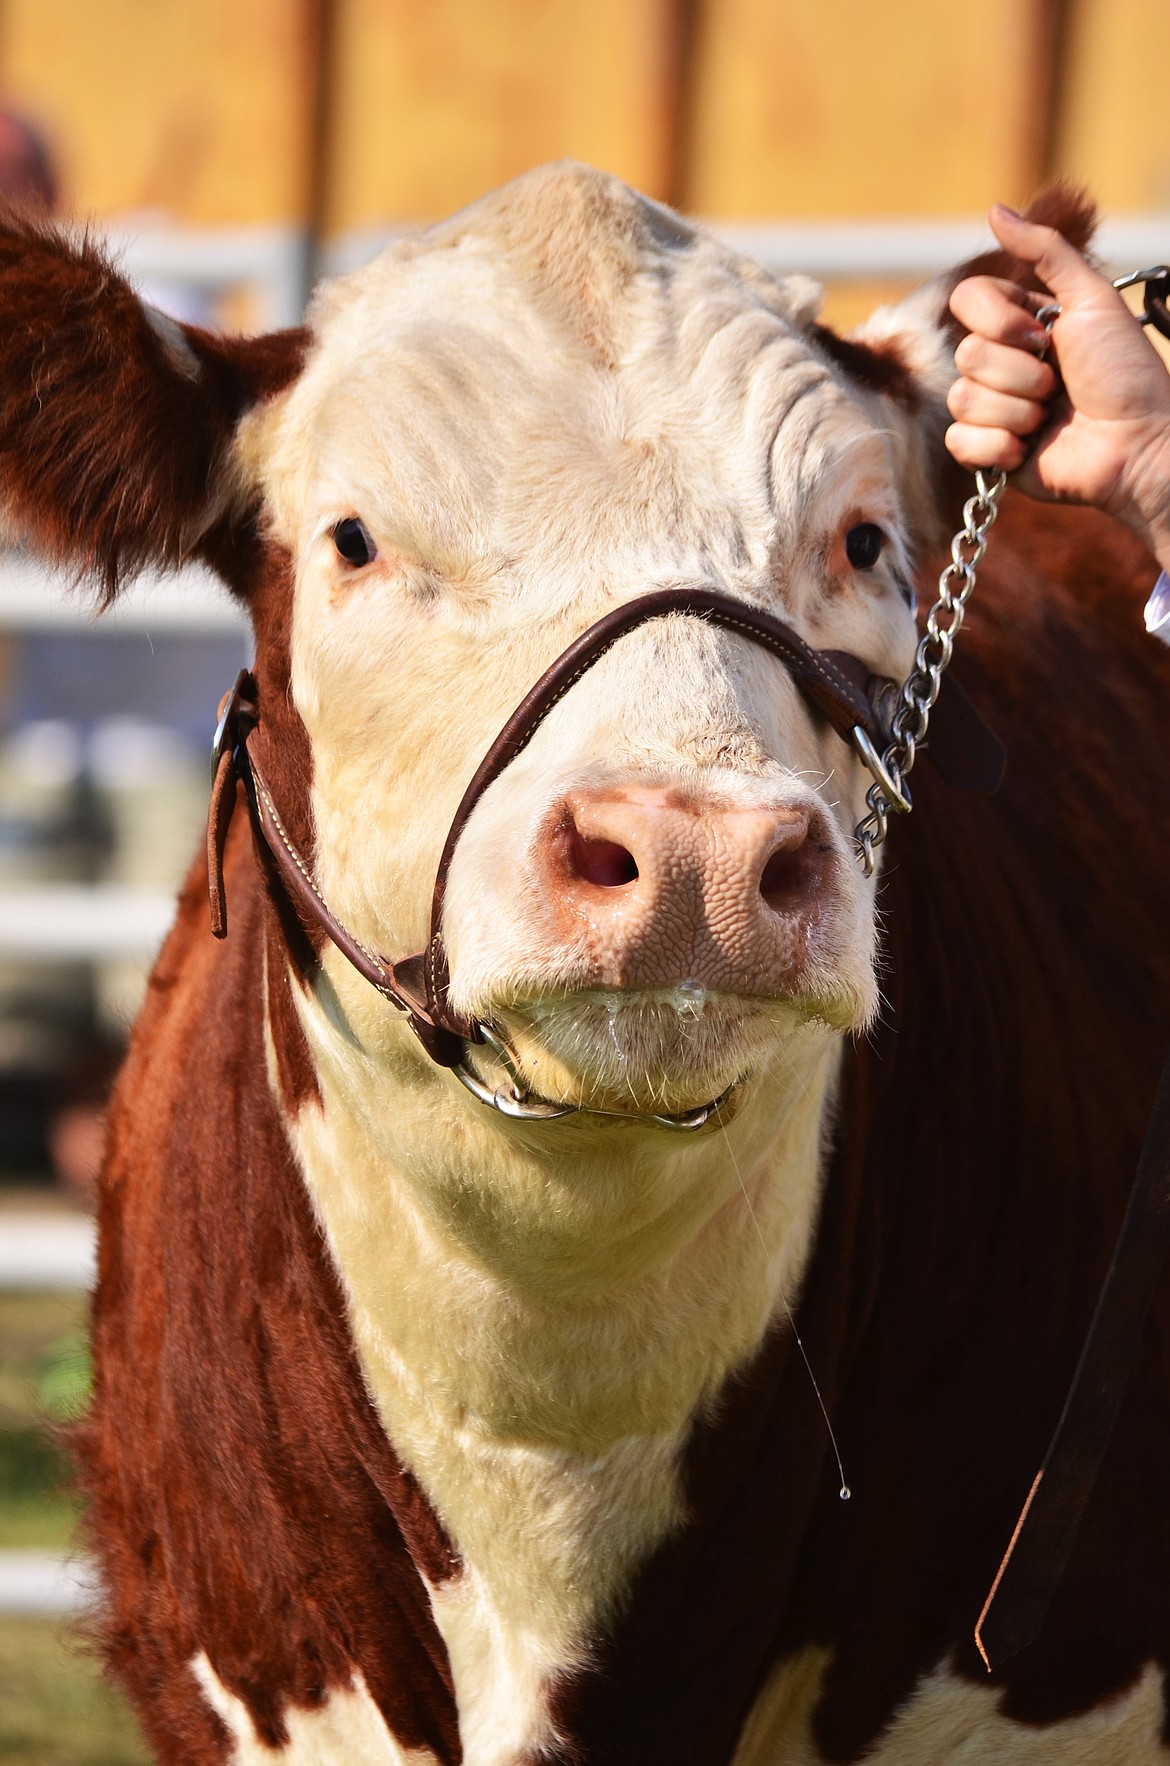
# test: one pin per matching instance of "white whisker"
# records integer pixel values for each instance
(845, 1493)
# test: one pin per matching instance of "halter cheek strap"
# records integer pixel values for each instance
(232, 761)
(838, 686)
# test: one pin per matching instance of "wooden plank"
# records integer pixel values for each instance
(914, 107)
(194, 107)
(1112, 132)
(850, 303)
(434, 104)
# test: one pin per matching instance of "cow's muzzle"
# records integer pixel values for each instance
(837, 685)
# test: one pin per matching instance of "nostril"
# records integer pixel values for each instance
(790, 875)
(602, 862)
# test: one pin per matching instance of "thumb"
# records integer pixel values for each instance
(1058, 264)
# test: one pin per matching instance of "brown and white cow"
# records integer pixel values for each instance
(425, 1435)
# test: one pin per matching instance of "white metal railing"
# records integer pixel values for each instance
(47, 1251)
(855, 250)
(160, 255)
(34, 597)
(52, 1251)
(79, 923)
(212, 260)
(45, 1584)
(55, 1252)
(852, 250)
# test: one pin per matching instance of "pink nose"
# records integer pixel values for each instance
(666, 888)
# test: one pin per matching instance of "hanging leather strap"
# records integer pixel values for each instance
(239, 715)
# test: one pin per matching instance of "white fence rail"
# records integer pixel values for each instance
(36, 598)
(272, 259)
(55, 1252)
(76, 923)
(853, 250)
(44, 1585)
(47, 1251)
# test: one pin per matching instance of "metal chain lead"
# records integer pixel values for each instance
(890, 792)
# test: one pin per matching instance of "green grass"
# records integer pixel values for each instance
(38, 1332)
(44, 1376)
(41, 1523)
(55, 1708)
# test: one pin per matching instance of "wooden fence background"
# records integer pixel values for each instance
(352, 113)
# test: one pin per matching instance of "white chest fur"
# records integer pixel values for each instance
(539, 1331)
(949, 1722)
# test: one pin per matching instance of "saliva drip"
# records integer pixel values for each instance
(689, 999)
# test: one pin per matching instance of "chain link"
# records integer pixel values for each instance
(890, 792)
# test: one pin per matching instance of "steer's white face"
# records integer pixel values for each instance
(554, 403)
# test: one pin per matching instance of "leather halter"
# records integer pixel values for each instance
(837, 685)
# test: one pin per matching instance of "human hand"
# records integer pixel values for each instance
(1099, 406)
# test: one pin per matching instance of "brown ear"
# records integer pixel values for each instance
(889, 352)
(116, 422)
(1063, 206)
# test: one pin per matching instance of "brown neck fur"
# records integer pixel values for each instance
(243, 1497)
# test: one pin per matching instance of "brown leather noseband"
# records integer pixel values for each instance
(838, 686)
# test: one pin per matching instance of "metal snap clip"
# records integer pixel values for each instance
(1155, 293)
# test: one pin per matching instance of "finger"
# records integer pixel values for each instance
(1058, 264)
(998, 310)
(1004, 369)
(970, 402)
(976, 448)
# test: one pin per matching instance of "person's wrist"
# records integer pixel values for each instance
(1146, 510)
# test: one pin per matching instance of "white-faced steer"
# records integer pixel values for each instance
(427, 1432)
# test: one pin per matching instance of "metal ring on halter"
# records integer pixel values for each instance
(519, 1102)
(687, 1122)
(897, 795)
(522, 1106)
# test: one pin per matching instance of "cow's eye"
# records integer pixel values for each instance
(863, 545)
(353, 542)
